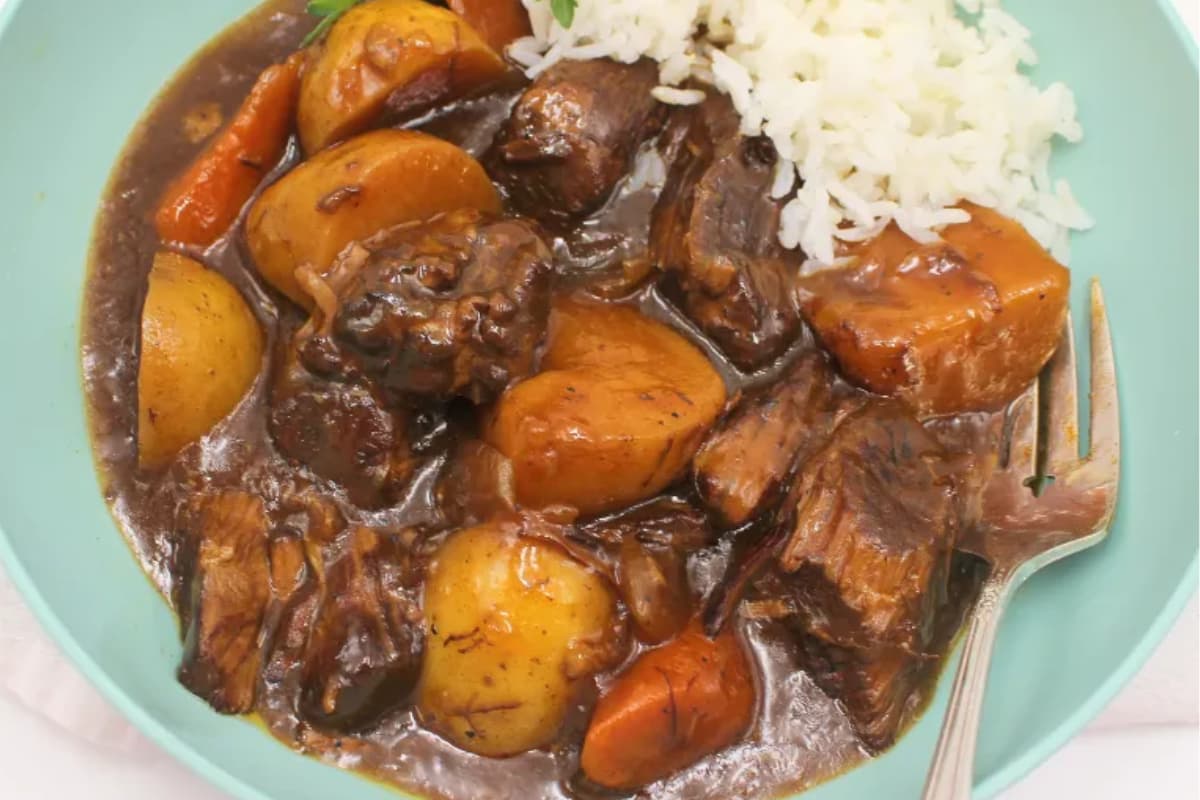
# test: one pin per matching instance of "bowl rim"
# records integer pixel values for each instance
(989, 786)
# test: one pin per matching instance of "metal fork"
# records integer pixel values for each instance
(1020, 533)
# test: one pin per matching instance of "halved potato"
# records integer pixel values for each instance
(353, 190)
(512, 624)
(963, 324)
(201, 350)
(400, 53)
(616, 416)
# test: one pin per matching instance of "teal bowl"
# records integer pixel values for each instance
(74, 78)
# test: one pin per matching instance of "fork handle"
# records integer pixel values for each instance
(951, 773)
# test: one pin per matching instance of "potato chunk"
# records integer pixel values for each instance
(572, 136)
(616, 416)
(405, 55)
(963, 324)
(354, 190)
(512, 625)
(201, 350)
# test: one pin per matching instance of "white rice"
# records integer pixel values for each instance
(889, 110)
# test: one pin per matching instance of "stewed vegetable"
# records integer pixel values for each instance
(402, 56)
(674, 705)
(201, 348)
(513, 624)
(615, 415)
(353, 190)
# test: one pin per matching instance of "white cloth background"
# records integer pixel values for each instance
(68, 742)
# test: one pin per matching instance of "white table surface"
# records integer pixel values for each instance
(1146, 744)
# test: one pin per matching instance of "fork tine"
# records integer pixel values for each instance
(1021, 425)
(1105, 428)
(1060, 405)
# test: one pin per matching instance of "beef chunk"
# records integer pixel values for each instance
(288, 559)
(882, 688)
(452, 307)
(875, 522)
(868, 571)
(306, 522)
(223, 598)
(364, 651)
(310, 516)
(749, 457)
(573, 135)
(716, 229)
(337, 422)
(877, 686)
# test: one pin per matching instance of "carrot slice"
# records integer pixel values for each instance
(499, 22)
(681, 702)
(203, 202)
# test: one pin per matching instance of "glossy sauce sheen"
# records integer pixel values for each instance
(800, 736)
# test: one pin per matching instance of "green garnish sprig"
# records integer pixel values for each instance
(328, 11)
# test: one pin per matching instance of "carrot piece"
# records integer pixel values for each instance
(499, 22)
(201, 204)
(689, 698)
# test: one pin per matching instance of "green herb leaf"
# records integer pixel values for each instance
(329, 11)
(564, 11)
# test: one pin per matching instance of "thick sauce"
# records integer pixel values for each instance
(801, 736)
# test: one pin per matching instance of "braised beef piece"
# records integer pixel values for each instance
(295, 577)
(573, 135)
(650, 544)
(329, 416)
(882, 688)
(877, 686)
(453, 307)
(305, 525)
(222, 598)
(748, 458)
(875, 522)
(363, 655)
(974, 442)
(866, 568)
(287, 557)
(748, 462)
(715, 228)
(309, 515)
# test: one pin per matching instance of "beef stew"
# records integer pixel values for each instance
(540, 479)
